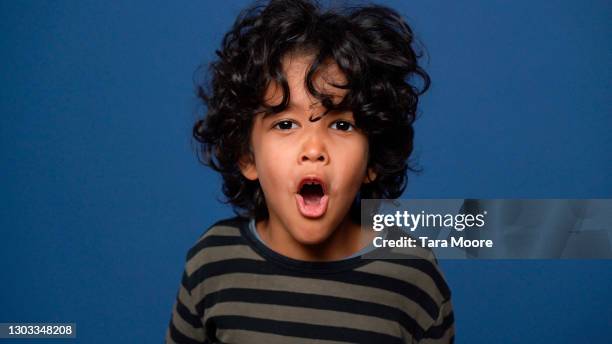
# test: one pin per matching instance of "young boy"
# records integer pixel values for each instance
(308, 112)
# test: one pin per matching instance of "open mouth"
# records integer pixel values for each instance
(312, 192)
(311, 198)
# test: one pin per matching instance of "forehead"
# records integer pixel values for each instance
(295, 67)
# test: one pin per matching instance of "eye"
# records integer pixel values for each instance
(285, 125)
(342, 125)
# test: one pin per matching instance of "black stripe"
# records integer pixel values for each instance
(401, 287)
(427, 267)
(184, 312)
(214, 240)
(438, 331)
(319, 302)
(186, 282)
(293, 329)
(179, 337)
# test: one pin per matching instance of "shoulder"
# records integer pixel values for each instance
(422, 271)
(417, 280)
(412, 264)
(219, 243)
(225, 227)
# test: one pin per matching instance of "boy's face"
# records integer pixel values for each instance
(310, 171)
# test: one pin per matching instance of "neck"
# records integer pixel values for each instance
(346, 239)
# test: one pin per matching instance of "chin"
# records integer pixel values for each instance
(311, 234)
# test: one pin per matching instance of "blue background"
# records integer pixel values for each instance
(102, 193)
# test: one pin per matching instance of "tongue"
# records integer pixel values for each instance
(312, 205)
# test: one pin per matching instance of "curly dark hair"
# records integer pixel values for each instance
(372, 46)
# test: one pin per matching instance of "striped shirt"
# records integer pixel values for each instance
(237, 290)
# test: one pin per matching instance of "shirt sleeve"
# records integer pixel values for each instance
(442, 331)
(185, 323)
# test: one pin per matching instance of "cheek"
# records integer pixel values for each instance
(352, 164)
(273, 164)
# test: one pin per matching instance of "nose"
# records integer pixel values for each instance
(314, 150)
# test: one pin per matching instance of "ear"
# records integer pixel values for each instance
(370, 176)
(247, 167)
